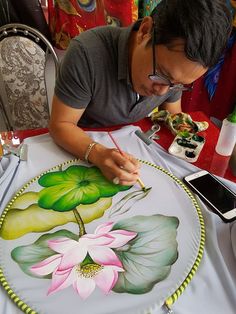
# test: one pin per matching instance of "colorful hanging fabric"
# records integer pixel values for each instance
(68, 18)
(231, 4)
(146, 7)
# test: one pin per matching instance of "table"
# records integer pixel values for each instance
(208, 160)
(215, 279)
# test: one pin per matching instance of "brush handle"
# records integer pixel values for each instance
(140, 182)
(115, 143)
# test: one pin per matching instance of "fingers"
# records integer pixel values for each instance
(126, 169)
(124, 178)
(118, 168)
(116, 180)
(126, 162)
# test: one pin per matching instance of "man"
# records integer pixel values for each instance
(113, 75)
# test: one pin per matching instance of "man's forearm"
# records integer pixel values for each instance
(72, 138)
(174, 107)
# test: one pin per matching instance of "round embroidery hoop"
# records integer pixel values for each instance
(161, 181)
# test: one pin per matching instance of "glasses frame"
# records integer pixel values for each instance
(155, 75)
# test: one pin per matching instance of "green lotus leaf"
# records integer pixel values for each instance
(24, 200)
(147, 259)
(52, 178)
(29, 255)
(19, 222)
(64, 190)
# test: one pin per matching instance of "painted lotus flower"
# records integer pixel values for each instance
(140, 257)
(85, 263)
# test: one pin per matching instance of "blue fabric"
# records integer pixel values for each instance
(212, 76)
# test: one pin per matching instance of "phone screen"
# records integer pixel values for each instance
(215, 192)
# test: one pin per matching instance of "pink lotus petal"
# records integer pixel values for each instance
(121, 237)
(62, 245)
(47, 266)
(104, 228)
(84, 287)
(116, 268)
(106, 279)
(116, 276)
(93, 239)
(98, 246)
(62, 272)
(62, 281)
(104, 256)
(73, 257)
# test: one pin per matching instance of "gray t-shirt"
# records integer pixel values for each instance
(94, 75)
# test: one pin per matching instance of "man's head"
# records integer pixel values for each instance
(204, 25)
(180, 41)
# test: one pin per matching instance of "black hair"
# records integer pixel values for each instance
(205, 26)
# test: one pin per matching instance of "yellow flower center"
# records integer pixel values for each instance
(88, 270)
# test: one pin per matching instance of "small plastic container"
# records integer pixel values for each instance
(232, 161)
(187, 148)
(227, 138)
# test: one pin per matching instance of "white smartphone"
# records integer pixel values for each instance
(219, 197)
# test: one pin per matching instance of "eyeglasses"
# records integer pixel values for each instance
(161, 79)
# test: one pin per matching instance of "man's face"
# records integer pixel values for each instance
(171, 63)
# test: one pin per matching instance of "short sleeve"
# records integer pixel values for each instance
(74, 82)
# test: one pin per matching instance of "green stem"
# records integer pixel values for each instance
(80, 222)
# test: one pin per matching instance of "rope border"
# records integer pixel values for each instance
(170, 300)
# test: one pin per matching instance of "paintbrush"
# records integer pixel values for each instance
(120, 151)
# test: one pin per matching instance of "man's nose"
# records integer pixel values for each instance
(160, 89)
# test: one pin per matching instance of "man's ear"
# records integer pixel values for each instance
(145, 29)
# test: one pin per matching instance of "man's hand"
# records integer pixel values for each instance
(123, 168)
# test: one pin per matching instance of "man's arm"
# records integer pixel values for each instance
(172, 107)
(65, 132)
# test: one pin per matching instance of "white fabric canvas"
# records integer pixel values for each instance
(215, 279)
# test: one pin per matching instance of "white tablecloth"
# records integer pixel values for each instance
(213, 288)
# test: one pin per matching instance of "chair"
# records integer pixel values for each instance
(24, 55)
